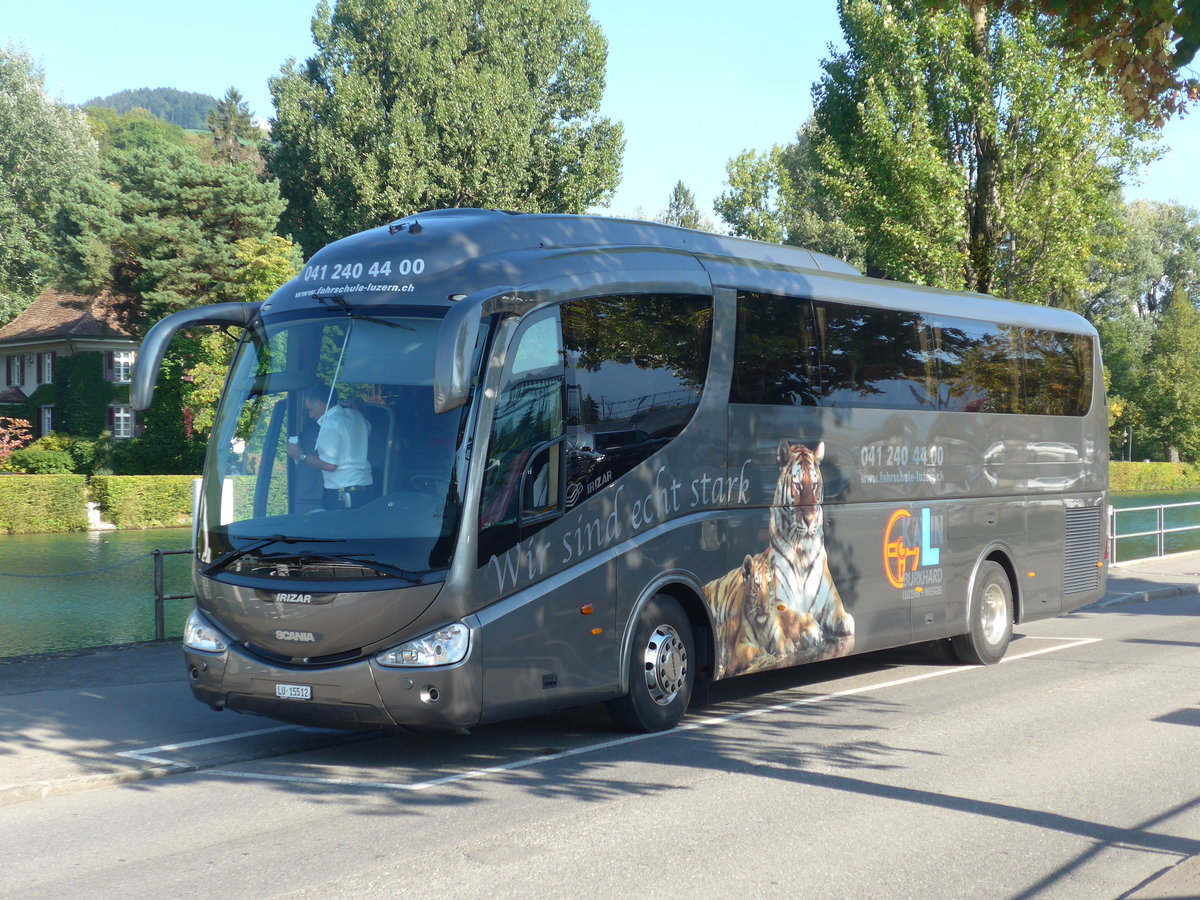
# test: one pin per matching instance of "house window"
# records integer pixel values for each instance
(45, 368)
(15, 370)
(120, 421)
(122, 366)
(46, 419)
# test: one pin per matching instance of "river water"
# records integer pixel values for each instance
(71, 591)
(89, 589)
(1147, 520)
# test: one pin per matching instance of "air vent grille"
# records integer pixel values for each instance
(1083, 550)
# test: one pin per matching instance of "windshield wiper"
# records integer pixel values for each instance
(258, 543)
(385, 568)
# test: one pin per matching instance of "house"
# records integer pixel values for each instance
(57, 326)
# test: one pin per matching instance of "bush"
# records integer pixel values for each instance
(144, 501)
(31, 504)
(34, 461)
(86, 455)
(1136, 477)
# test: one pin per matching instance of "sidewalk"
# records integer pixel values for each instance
(74, 721)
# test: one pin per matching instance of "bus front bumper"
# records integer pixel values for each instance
(358, 695)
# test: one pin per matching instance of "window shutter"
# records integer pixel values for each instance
(108, 369)
(111, 416)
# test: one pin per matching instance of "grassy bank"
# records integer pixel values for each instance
(1136, 477)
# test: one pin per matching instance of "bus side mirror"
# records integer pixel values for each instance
(154, 344)
(457, 336)
(455, 350)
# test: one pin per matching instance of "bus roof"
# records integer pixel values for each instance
(440, 256)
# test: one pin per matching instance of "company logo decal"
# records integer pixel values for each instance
(293, 598)
(305, 637)
(910, 555)
(287, 597)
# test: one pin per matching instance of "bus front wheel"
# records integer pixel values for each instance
(990, 618)
(661, 669)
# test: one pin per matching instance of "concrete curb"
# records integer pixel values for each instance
(54, 787)
(1181, 590)
(57, 787)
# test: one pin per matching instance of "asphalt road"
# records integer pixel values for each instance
(1068, 771)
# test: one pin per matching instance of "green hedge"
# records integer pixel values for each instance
(31, 504)
(1136, 477)
(143, 501)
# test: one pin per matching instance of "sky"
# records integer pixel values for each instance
(695, 82)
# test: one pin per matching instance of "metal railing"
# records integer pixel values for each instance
(1159, 532)
(160, 629)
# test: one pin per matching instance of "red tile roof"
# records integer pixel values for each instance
(60, 316)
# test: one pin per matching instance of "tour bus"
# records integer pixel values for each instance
(615, 461)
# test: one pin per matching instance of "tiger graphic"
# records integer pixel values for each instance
(781, 606)
(802, 579)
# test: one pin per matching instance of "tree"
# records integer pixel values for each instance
(681, 210)
(129, 130)
(1171, 398)
(262, 266)
(44, 148)
(233, 129)
(1157, 263)
(777, 196)
(1138, 47)
(753, 205)
(14, 434)
(166, 235)
(964, 150)
(415, 105)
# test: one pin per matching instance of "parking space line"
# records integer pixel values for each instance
(143, 755)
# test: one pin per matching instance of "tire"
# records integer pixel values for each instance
(990, 618)
(661, 669)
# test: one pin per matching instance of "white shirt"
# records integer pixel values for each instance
(343, 442)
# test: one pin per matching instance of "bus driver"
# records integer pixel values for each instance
(340, 452)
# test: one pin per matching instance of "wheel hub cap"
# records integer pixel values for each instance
(994, 611)
(666, 665)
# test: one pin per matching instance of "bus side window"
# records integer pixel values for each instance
(1057, 373)
(776, 355)
(979, 368)
(876, 358)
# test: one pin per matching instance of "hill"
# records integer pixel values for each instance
(186, 109)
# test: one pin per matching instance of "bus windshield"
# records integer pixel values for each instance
(327, 461)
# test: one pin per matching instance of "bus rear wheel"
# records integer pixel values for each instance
(990, 618)
(661, 669)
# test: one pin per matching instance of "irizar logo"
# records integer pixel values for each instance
(903, 551)
(282, 597)
(305, 637)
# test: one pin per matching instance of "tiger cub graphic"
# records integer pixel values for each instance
(781, 607)
(743, 602)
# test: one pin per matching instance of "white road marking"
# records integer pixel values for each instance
(143, 755)
(706, 722)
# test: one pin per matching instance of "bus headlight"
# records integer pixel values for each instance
(199, 635)
(443, 647)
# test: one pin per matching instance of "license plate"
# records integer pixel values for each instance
(293, 691)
